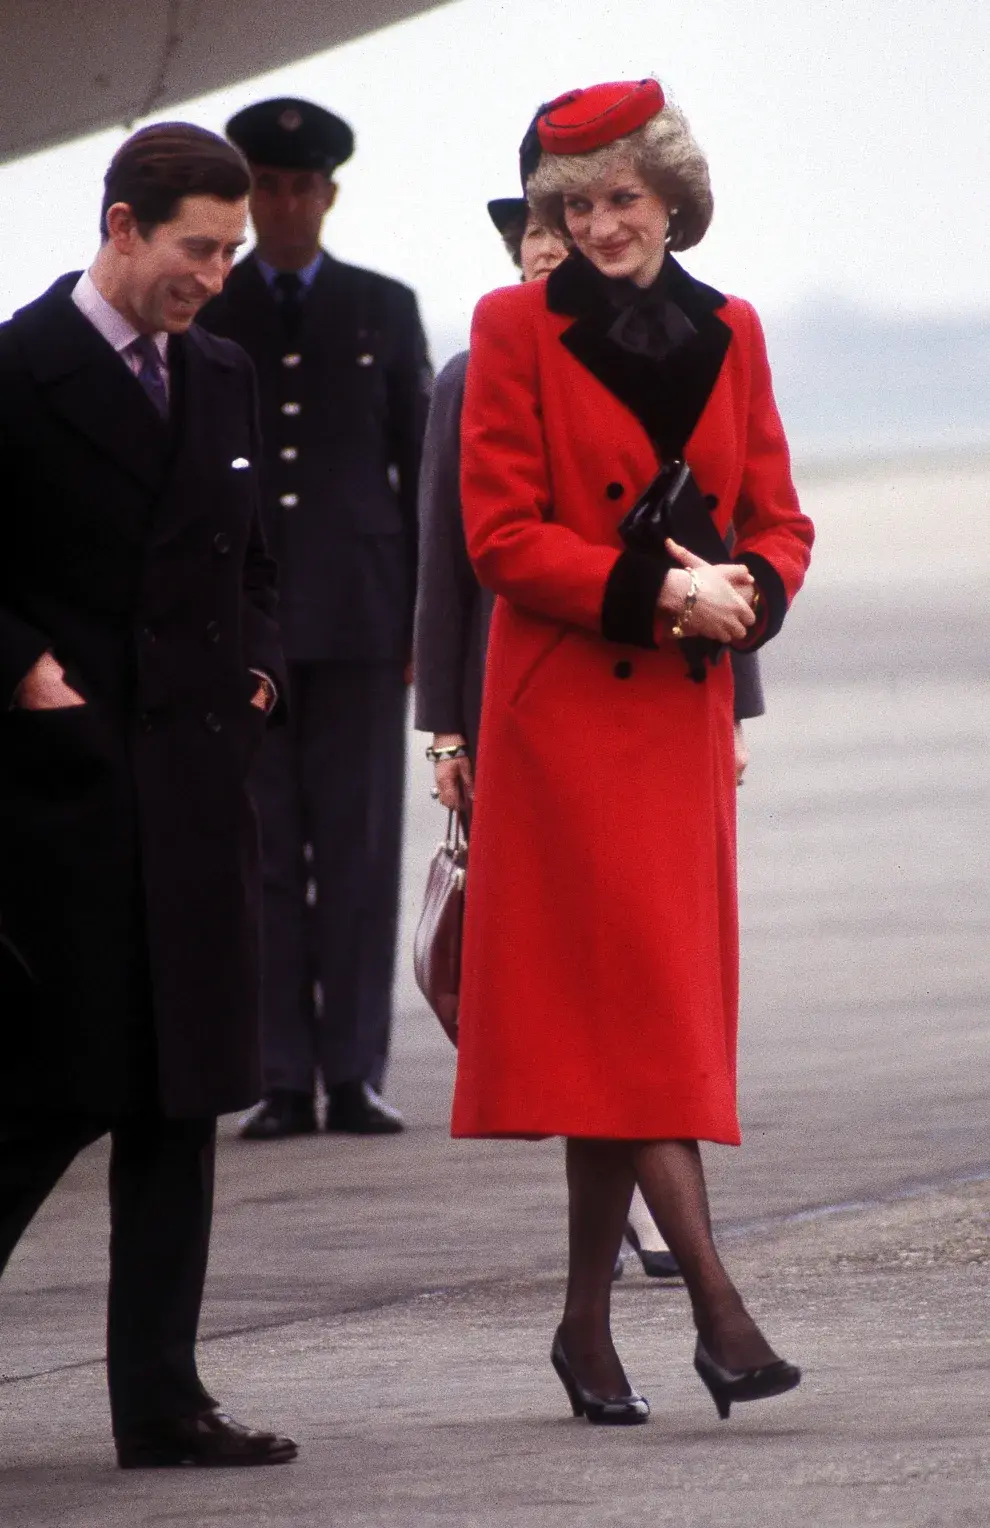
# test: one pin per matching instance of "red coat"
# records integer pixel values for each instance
(600, 977)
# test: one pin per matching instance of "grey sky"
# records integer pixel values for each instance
(849, 142)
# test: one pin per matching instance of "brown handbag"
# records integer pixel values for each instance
(437, 944)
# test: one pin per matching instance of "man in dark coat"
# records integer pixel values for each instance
(138, 659)
(344, 381)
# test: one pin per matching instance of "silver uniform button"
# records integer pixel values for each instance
(289, 500)
(292, 359)
(366, 360)
(288, 453)
(292, 409)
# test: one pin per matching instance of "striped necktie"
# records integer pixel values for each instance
(150, 373)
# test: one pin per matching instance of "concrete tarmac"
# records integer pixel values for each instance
(390, 1303)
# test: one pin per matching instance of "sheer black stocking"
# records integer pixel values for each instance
(600, 1179)
(672, 1180)
(599, 1185)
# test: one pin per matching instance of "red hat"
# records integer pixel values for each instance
(582, 120)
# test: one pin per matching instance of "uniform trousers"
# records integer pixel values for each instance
(328, 787)
(161, 1207)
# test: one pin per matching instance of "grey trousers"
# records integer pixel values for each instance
(329, 791)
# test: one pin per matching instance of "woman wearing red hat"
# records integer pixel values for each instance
(600, 976)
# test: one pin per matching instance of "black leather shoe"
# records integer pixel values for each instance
(279, 1115)
(355, 1108)
(211, 1439)
(605, 1410)
(656, 1265)
(728, 1385)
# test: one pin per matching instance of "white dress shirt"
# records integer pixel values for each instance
(118, 331)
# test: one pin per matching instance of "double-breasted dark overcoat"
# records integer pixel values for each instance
(131, 549)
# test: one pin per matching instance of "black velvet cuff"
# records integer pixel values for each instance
(773, 594)
(629, 608)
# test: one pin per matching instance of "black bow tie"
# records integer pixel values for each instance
(650, 325)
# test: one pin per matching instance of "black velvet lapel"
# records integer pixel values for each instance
(668, 396)
(90, 386)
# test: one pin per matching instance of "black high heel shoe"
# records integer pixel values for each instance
(613, 1411)
(656, 1264)
(728, 1385)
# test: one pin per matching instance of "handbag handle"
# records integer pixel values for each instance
(457, 830)
(457, 821)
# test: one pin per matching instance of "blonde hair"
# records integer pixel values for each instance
(663, 152)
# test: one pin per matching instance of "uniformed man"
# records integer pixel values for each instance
(344, 382)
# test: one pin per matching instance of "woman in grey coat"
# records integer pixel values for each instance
(453, 612)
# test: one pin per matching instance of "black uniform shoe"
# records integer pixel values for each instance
(355, 1108)
(211, 1439)
(279, 1115)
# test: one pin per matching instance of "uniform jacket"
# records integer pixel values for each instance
(600, 967)
(343, 408)
(453, 612)
(132, 550)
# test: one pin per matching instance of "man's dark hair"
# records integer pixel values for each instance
(161, 164)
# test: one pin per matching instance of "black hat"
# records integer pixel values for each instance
(530, 150)
(291, 135)
(505, 211)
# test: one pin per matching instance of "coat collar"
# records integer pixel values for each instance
(328, 310)
(336, 307)
(90, 386)
(247, 307)
(577, 289)
(668, 396)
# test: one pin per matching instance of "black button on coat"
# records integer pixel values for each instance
(128, 847)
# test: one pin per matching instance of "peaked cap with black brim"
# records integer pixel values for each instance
(290, 134)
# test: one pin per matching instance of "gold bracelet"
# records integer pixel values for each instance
(679, 628)
(446, 755)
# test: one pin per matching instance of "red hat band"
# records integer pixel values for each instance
(582, 120)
